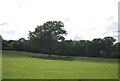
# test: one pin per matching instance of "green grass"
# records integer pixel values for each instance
(24, 65)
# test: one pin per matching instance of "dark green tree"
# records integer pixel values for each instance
(8, 44)
(44, 36)
(0, 42)
(81, 47)
(116, 50)
(4, 44)
(97, 47)
(21, 45)
(66, 48)
(109, 42)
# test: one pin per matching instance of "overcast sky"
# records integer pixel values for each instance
(83, 19)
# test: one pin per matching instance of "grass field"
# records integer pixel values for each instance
(24, 65)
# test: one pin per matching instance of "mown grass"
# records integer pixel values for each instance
(25, 65)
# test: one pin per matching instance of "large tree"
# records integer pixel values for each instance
(116, 50)
(102, 47)
(109, 42)
(46, 35)
(97, 47)
(66, 47)
(21, 45)
(80, 47)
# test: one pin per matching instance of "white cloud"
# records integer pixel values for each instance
(21, 4)
(76, 37)
(83, 18)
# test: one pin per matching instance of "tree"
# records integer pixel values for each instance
(97, 47)
(88, 48)
(102, 47)
(81, 47)
(76, 47)
(109, 42)
(116, 50)
(45, 35)
(4, 44)
(66, 47)
(7, 44)
(1, 42)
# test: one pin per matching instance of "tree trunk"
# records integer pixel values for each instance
(49, 55)
(68, 56)
(60, 56)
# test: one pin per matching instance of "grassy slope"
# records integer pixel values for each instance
(23, 65)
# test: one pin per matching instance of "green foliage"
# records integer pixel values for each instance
(66, 47)
(45, 36)
(116, 50)
(98, 46)
(4, 44)
(109, 41)
(79, 47)
(103, 47)
(8, 44)
(49, 31)
(21, 45)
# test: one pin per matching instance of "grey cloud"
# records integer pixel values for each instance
(2, 24)
(106, 33)
(110, 18)
(66, 19)
(117, 37)
(76, 37)
(112, 26)
(114, 32)
(10, 32)
(92, 29)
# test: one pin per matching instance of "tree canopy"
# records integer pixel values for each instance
(47, 34)
(51, 30)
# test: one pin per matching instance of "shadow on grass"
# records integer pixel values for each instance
(72, 58)
(55, 58)
(15, 54)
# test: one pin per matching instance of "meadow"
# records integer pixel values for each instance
(25, 65)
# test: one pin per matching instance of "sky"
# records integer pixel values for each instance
(83, 19)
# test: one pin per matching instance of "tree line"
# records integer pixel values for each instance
(49, 39)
